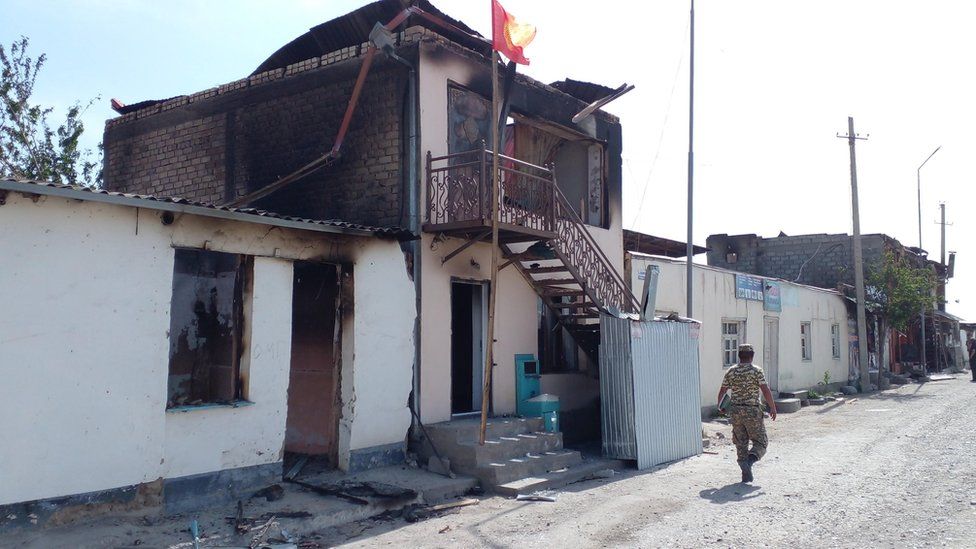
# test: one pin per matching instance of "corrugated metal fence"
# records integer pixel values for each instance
(649, 387)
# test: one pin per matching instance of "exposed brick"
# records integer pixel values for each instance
(229, 151)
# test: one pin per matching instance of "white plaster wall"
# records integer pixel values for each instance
(715, 299)
(516, 325)
(575, 390)
(211, 439)
(382, 374)
(84, 348)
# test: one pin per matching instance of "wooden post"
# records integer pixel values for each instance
(494, 212)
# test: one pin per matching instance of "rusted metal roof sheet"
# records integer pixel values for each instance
(655, 245)
(353, 29)
(176, 204)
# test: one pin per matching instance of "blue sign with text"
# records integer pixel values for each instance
(748, 287)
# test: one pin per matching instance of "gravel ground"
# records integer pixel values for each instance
(894, 469)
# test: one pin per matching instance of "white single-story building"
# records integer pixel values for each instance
(800, 333)
(156, 350)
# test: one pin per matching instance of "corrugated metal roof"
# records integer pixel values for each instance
(176, 204)
(656, 245)
(352, 29)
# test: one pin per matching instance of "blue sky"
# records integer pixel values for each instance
(775, 82)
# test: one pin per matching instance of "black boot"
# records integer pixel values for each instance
(750, 461)
(746, 467)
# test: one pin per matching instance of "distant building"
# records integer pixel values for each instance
(801, 333)
(826, 261)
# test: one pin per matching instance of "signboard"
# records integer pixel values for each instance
(772, 296)
(748, 287)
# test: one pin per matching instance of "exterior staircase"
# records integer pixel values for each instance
(540, 234)
(518, 456)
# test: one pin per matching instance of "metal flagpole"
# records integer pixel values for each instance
(689, 245)
(493, 285)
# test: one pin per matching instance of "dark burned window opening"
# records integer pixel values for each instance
(558, 352)
(207, 327)
(579, 160)
(579, 163)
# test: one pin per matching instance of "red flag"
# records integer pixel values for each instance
(508, 35)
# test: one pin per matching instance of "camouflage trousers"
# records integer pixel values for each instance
(747, 425)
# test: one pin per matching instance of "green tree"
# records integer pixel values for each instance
(30, 147)
(901, 290)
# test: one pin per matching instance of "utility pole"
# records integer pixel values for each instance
(943, 223)
(918, 178)
(690, 245)
(862, 328)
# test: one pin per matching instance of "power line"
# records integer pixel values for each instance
(660, 140)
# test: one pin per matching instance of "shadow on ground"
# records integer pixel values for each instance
(730, 493)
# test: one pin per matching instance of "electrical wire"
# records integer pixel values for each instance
(660, 140)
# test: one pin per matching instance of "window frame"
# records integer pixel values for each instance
(806, 341)
(835, 341)
(735, 339)
(242, 291)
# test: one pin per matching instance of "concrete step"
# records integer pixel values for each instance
(787, 405)
(557, 479)
(532, 465)
(468, 430)
(472, 454)
(802, 395)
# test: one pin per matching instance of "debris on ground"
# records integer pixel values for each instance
(532, 497)
(417, 512)
(271, 493)
(329, 491)
(296, 468)
(602, 473)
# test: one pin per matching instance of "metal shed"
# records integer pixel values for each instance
(649, 389)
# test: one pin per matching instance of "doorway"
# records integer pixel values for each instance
(312, 423)
(771, 352)
(468, 323)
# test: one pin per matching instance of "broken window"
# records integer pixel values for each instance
(578, 162)
(206, 327)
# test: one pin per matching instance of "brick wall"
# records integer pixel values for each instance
(224, 142)
(822, 260)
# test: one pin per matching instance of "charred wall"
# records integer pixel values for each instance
(225, 142)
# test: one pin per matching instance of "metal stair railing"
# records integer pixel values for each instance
(587, 262)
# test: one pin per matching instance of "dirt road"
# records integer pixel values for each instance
(896, 469)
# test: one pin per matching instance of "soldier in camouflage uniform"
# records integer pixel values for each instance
(744, 382)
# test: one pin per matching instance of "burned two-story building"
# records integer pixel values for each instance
(372, 128)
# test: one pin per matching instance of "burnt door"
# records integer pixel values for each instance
(313, 389)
